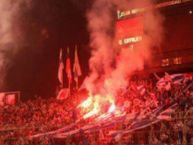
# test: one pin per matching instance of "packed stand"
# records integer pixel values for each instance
(19, 122)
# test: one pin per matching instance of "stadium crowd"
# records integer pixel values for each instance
(20, 121)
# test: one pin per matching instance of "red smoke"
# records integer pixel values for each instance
(107, 73)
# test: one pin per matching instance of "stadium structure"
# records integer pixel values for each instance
(176, 50)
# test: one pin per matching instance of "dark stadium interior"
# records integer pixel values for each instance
(96, 72)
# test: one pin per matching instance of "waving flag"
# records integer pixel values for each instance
(76, 68)
(68, 67)
(60, 69)
(177, 78)
(167, 80)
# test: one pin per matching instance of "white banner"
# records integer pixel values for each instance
(9, 98)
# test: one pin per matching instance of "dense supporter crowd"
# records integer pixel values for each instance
(24, 119)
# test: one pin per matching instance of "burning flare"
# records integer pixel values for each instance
(98, 104)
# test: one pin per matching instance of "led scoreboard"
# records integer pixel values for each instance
(129, 31)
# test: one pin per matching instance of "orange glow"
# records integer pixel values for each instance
(112, 108)
(87, 103)
(95, 109)
(96, 104)
(93, 112)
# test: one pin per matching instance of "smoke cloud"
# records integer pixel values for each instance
(10, 33)
(111, 66)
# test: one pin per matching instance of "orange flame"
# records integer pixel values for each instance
(97, 101)
(112, 108)
(87, 103)
(93, 112)
(95, 109)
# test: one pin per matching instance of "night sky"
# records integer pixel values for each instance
(47, 26)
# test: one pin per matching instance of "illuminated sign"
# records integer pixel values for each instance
(130, 40)
(165, 62)
(130, 12)
(122, 14)
(171, 61)
(177, 60)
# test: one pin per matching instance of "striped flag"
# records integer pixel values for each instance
(60, 69)
(76, 68)
(177, 78)
(167, 80)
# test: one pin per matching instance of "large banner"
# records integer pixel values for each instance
(9, 98)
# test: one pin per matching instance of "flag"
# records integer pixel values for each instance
(76, 68)
(167, 80)
(68, 66)
(177, 78)
(60, 69)
(63, 94)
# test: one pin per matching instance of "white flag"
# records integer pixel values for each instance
(76, 67)
(60, 69)
(68, 66)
